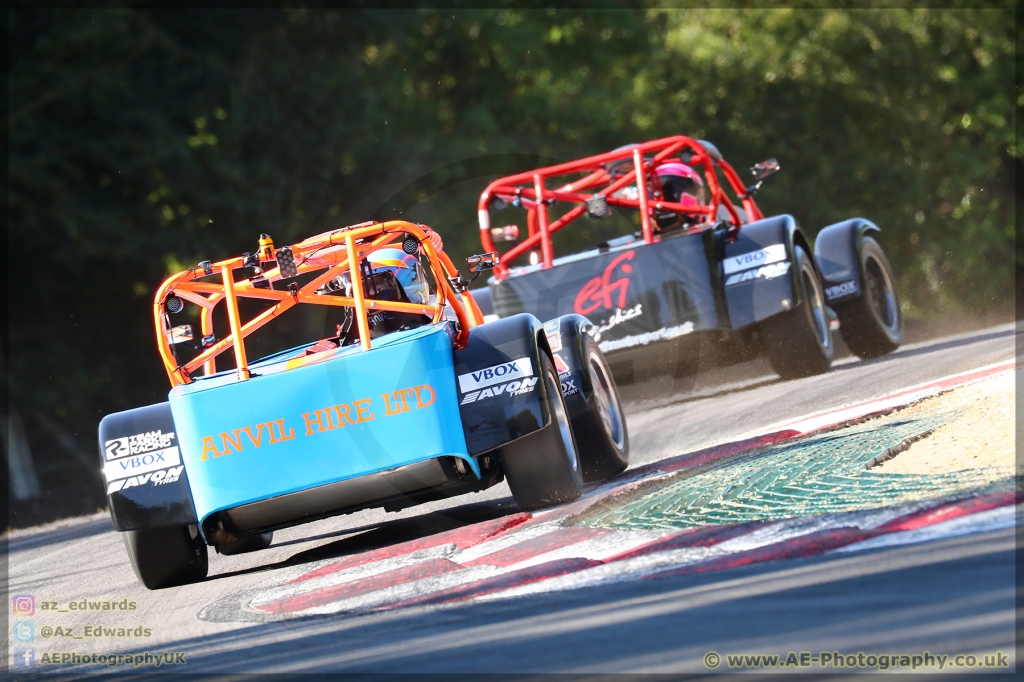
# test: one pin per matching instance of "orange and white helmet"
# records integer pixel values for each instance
(407, 270)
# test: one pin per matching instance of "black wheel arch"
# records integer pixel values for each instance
(756, 299)
(562, 334)
(838, 253)
(491, 417)
(601, 452)
(148, 495)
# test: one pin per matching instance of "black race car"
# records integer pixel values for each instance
(706, 278)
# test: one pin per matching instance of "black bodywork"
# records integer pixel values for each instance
(493, 420)
(837, 252)
(692, 296)
(566, 337)
(139, 501)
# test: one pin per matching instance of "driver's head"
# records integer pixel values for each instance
(406, 270)
(681, 184)
(387, 275)
(394, 276)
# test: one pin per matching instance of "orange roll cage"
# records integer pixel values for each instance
(529, 190)
(330, 252)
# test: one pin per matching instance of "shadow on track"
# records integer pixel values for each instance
(375, 536)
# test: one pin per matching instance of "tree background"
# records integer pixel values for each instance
(143, 140)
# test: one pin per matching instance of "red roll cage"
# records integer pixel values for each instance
(530, 191)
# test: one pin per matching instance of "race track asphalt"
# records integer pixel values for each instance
(950, 596)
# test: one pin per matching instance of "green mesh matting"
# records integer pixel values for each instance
(816, 475)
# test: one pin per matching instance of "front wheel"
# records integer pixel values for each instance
(543, 468)
(799, 342)
(165, 557)
(872, 324)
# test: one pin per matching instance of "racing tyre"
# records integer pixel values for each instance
(252, 543)
(542, 468)
(799, 342)
(600, 430)
(872, 325)
(165, 557)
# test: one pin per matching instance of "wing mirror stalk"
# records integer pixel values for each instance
(760, 171)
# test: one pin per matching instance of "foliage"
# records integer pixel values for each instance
(145, 140)
(905, 117)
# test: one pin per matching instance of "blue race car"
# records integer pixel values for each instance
(410, 398)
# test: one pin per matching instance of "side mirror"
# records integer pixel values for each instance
(508, 233)
(764, 169)
(484, 261)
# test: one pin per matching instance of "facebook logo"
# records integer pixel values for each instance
(24, 657)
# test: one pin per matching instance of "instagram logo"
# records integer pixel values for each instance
(24, 604)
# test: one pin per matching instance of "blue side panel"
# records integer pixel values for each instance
(349, 416)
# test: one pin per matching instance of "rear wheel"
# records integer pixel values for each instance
(252, 543)
(872, 324)
(799, 342)
(600, 430)
(542, 468)
(165, 557)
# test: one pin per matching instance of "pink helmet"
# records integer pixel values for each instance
(680, 184)
(680, 169)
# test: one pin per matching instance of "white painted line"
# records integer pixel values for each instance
(980, 522)
(819, 420)
(504, 541)
(351, 574)
(615, 572)
(638, 567)
(597, 549)
(403, 591)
